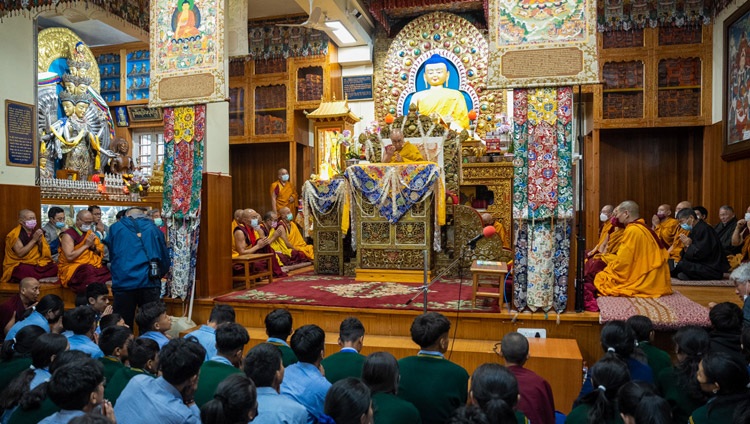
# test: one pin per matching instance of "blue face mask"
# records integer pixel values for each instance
(289, 217)
(253, 222)
(285, 177)
(60, 224)
(159, 222)
(686, 227)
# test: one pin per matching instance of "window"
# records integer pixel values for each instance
(148, 148)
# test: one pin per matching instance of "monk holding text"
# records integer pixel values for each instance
(401, 150)
(81, 255)
(283, 194)
(27, 253)
(446, 102)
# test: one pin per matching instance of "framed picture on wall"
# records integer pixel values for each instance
(121, 116)
(737, 84)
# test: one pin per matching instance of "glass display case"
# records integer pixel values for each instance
(138, 75)
(236, 111)
(623, 90)
(309, 84)
(109, 71)
(270, 109)
(679, 87)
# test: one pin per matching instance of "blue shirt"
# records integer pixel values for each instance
(156, 336)
(85, 345)
(61, 417)
(40, 376)
(304, 384)
(149, 400)
(276, 409)
(34, 319)
(206, 336)
(222, 360)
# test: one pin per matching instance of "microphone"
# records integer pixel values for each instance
(488, 231)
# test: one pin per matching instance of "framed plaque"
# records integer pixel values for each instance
(20, 131)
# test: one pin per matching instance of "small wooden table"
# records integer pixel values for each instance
(496, 270)
(247, 262)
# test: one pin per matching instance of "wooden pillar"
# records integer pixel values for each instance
(214, 253)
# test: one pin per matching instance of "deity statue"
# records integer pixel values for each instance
(448, 103)
(122, 163)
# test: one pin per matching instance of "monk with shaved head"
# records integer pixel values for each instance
(81, 255)
(248, 238)
(27, 253)
(488, 219)
(664, 224)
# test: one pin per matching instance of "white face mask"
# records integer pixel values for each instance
(747, 216)
(85, 227)
(603, 217)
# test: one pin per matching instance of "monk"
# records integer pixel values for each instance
(741, 240)
(81, 255)
(400, 150)
(675, 249)
(725, 228)
(283, 194)
(609, 237)
(277, 232)
(604, 216)
(27, 253)
(248, 238)
(293, 234)
(487, 220)
(235, 223)
(14, 308)
(702, 255)
(664, 225)
(639, 269)
(597, 258)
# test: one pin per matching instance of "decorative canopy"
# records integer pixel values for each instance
(335, 109)
(134, 12)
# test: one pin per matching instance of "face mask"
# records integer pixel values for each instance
(60, 225)
(747, 216)
(85, 227)
(30, 224)
(603, 217)
(274, 224)
(289, 217)
(159, 222)
(661, 215)
(285, 177)
(686, 227)
(253, 222)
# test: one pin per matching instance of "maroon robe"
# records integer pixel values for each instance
(22, 271)
(85, 274)
(536, 400)
(9, 309)
(251, 240)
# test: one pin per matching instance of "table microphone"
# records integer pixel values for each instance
(488, 231)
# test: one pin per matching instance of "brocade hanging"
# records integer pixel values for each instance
(323, 197)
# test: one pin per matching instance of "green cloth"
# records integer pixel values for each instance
(718, 414)
(673, 389)
(342, 365)
(658, 359)
(211, 374)
(9, 370)
(580, 415)
(521, 418)
(46, 409)
(119, 380)
(287, 354)
(389, 409)
(436, 386)
(111, 366)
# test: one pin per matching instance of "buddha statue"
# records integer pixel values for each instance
(438, 99)
(156, 182)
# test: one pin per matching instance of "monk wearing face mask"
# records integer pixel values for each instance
(81, 255)
(283, 193)
(664, 225)
(27, 253)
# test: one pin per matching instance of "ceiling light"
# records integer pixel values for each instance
(340, 32)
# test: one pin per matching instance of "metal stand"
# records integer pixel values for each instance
(425, 287)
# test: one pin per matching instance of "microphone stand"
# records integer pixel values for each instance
(425, 288)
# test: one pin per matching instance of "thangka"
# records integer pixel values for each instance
(542, 196)
(184, 131)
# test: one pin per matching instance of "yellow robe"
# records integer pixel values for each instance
(743, 256)
(234, 227)
(445, 102)
(667, 230)
(67, 268)
(235, 253)
(408, 153)
(500, 231)
(283, 192)
(298, 242)
(675, 251)
(639, 269)
(33, 257)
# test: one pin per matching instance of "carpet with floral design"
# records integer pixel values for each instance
(446, 294)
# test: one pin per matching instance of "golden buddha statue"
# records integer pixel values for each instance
(156, 182)
(446, 102)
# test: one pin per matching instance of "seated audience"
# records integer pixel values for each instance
(250, 238)
(169, 398)
(303, 381)
(82, 323)
(80, 260)
(664, 225)
(91, 418)
(143, 355)
(278, 328)
(436, 386)
(114, 343)
(46, 314)
(701, 213)
(494, 389)
(27, 253)
(154, 322)
(380, 373)
(702, 254)
(725, 228)
(77, 388)
(599, 405)
(263, 365)
(233, 403)
(471, 415)
(349, 402)
(640, 404)
(13, 309)
(231, 339)
(644, 336)
(537, 401)
(52, 229)
(97, 296)
(675, 249)
(725, 379)
(293, 235)
(726, 322)
(679, 385)
(111, 320)
(348, 361)
(206, 334)
(277, 232)
(741, 278)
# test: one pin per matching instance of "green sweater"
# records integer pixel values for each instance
(521, 418)
(211, 374)
(46, 409)
(287, 354)
(119, 380)
(658, 359)
(674, 391)
(111, 366)
(436, 386)
(9, 370)
(389, 409)
(342, 365)
(580, 415)
(718, 414)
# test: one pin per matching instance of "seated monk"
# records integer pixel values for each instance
(400, 150)
(675, 249)
(293, 234)
(741, 240)
(487, 220)
(702, 256)
(664, 225)
(598, 257)
(277, 231)
(14, 308)
(27, 253)
(639, 269)
(248, 239)
(81, 255)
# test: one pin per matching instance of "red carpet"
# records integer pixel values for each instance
(338, 291)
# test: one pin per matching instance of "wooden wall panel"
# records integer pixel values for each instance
(724, 183)
(14, 198)
(214, 255)
(254, 167)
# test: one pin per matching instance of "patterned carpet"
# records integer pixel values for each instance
(703, 283)
(667, 312)
(345, 292)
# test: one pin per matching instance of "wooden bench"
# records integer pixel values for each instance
(497, 272)
(247, 262)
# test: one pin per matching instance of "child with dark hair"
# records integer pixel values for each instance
(77, 388)
(643, 328)
(599, 406)
(154, 322)
(725, 379)
(15, 356)
(206, 334)
(82, 323)
(114, 343)
(494, 389)
(639, 403)
(278, 328)
(143, 355)
(679, 384)
(380, 373)
(231, 339)
(349, 402)
(263, 365)
(726, 322)
(90, 418)
(169, 398)
(537, 401)
(234, 402)
(348, 361)
(436, 386)
(111, 320)
(45, 314)
(97, 296)
(469, 415)
(303, 382)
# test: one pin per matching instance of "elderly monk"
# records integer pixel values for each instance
(725, 228)
(13, 309)
(236, 220)
(277, 231)
(702, 256)
(639, 269)
(487, 220)
(741, 240)
(293, 234)
(401, 150)
(604, 216)
(675, 249)
(664, 225)
(597, 258)
(27, 253)
(81, 255)
(283, 194)
(249, 238)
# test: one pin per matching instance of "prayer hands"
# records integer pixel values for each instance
(263, 242)
(686, 241)
(37, 235)
(100, 227)
(291, 199)
(89, 240)
(108, 411)
(655, 221)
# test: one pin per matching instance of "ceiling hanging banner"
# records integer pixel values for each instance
(537, 43)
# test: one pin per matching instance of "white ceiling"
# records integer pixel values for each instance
(257, 9)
